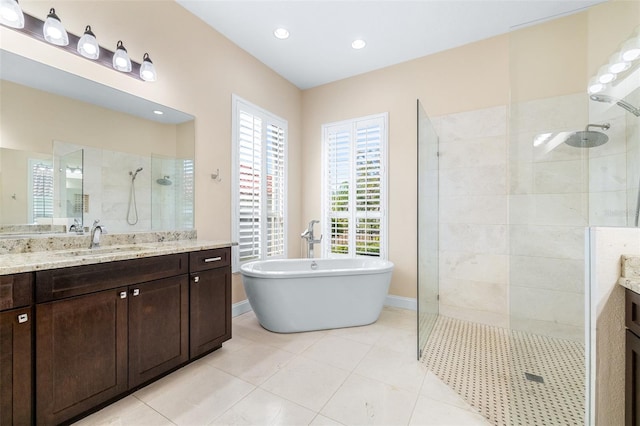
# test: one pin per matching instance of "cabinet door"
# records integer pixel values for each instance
(16, 364)
(158, 328)
(210, 310)
(81, 354)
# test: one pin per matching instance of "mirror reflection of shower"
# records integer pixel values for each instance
(588, 138)
(132, 209)
(164, 181)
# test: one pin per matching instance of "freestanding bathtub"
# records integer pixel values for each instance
(293, 295)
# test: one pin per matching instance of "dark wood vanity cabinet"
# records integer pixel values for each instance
(93, 345)
(210, 300)
(158, 328)
(81, 357)
(632, 358)
(101, 331)
(16, 355)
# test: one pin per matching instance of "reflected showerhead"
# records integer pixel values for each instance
(165, 181)
(599, 97)
(588, 138)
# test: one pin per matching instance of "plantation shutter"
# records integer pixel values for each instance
(189, 192)
(42, 189)
(354, 189)
(260, 187)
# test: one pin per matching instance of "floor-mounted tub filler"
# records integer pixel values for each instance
(294, 295)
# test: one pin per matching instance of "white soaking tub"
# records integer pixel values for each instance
(293, 295)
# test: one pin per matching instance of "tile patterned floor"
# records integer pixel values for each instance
(487, 365)
(351, 376)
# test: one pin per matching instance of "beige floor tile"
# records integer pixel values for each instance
(429, 412)
(306, 382)
(399, 340)
(394, 368)
(321, 420)
(195, 394)
(398, 318)
(338, 352)
(127, 411)
(367, 334)
(291, 342)
(436, 389)
(264, 408)
(253, 363)
(363, 401)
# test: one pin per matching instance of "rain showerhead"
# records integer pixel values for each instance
(599, 97)
(165, 181)
(588, 138)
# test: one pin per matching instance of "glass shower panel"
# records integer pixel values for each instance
(172, 193)
(68, 175)
(428, 214)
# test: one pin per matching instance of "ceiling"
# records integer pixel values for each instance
(319, 51)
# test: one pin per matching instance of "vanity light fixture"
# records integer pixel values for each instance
(617, 64)
(605, 76)
(54, 31)
(88, 45)
(358, 44)
(121, 60)
(595, 86)
(147, 70)
(11, 14)
(281, 33)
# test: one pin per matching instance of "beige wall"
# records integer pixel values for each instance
(198, 71)
(467, 78)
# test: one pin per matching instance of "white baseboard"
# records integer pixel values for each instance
(402, 302)
(240, 308)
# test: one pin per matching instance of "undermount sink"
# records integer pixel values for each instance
(101, 251)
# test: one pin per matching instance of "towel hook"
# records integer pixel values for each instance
(216, 176)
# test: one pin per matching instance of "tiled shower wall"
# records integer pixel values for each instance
(473, 216)
(512, 215)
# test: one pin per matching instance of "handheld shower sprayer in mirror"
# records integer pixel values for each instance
(134, 174)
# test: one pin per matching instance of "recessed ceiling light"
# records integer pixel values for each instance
(358, 44)
(281, 33)
(157, 112)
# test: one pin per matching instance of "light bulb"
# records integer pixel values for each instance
(11, 14)
(605, 76)
(147, 70)
(121, 61)
(617, 64)
(631, 49)
(88, 45)
(595, 86)
(54, 31)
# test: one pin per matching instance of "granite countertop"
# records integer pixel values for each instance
(119, 249)
(630, 272)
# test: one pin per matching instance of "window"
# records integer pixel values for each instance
(355, 187)
(259, 186)
(41, 190)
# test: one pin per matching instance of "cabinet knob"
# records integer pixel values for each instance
(196, 279)
(135, 291)
(22, 318)
(123, 295)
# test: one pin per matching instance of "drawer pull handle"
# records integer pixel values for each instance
(123, 295)
(213, 259)
(22, 318)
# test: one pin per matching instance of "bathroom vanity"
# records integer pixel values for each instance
(83, 328)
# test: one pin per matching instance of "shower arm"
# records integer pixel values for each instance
(604, 126)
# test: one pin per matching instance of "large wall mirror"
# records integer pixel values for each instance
(73, 150)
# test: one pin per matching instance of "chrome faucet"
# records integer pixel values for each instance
(76, 227)
(96, 231)
(308, 235)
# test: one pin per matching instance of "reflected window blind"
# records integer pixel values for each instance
(42, 189)
(354, 187)
(260, 184)
(188, 203)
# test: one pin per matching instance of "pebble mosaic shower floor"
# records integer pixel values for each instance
(511, 378)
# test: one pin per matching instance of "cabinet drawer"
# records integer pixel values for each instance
(61, 283)
(632, 311)
(16, 291)
(209, 259)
